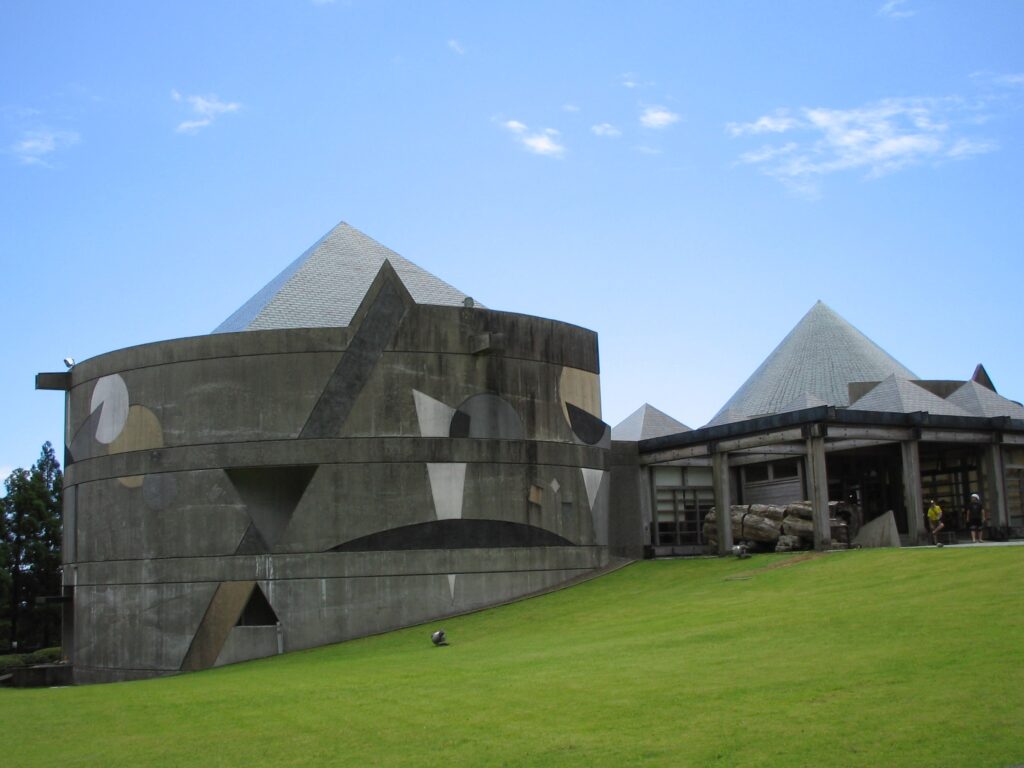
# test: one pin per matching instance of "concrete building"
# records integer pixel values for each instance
(358, 448)
(362, 447)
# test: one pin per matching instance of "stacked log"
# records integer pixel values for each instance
(771, 527)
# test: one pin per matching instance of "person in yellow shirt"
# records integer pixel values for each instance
(935, 521)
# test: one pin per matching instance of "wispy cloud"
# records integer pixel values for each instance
(570, 108)
(895, 9)
(877, 139)
(205, 108)
(455, 46)
(544, 142)
(658, 117)
(36, 147)
(630, 80)
(643, 149)
(605, 129)
(780, 122)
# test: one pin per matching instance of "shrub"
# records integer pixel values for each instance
(9, 662)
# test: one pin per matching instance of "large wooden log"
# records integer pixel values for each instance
(746, 525)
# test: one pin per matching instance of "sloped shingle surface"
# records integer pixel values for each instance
(819, 357)
(897, 395)
(979, 400)
(647, 422)
(325, 285)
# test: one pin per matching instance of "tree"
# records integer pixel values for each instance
(30, 558)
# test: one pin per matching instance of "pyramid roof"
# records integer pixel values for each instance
(978, 400)
(647, 422)
(898, 395)
(820, 357)
(325, 285)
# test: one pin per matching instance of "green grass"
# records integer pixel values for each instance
(866, 658)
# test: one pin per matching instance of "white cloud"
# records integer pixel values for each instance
(876, 139)
(658, 117)
(35, 147)
(1011, 80)
(895, 9)
(545, 142)
(780, 122)
(605, 129)
(205, 108)
(570, 108)
(643, 149)
(456, 46)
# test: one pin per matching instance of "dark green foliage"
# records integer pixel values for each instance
(30, 558)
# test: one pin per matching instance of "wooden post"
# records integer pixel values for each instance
(817, 479)
(998, 515)
(912, 500)
(723, 501)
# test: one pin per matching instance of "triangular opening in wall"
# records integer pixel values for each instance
(258, 611)
(271, 495)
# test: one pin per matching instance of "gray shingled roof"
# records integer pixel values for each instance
(647, 422)
(325, 285)
(979, 400)
(819, 358)
(902, 396)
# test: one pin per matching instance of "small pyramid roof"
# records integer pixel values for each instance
(978, 400)
(903, 396)
(325, 285)
(820, 357)
(647, 422)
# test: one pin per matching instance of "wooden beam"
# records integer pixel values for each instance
(849, 445)
(956, 436)
(674, 454)
(754, 441)
(891, 434)
(786, 449)
(744, 459)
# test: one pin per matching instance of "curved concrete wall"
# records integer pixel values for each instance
(237, 495)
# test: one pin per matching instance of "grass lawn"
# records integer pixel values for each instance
(910, 657)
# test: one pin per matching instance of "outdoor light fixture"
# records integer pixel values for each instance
(69, 362)
(438, 638)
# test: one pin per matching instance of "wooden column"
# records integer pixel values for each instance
(998, 515)
(912, 500)
(817, 489)
(723, 501)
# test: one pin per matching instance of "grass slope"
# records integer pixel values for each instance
(866, 658)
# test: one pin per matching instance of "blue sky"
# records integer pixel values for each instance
(684, 178)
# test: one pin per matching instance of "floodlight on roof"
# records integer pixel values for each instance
(69, 362)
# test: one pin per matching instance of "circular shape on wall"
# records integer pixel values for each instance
(141, 431)
(486, 416)
(110, 394)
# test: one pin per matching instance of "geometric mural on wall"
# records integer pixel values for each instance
(593, 479)
(110, 398)
(373, 328)
(486, 416)
(447, 487)
(270, 495)
(434, 417)
(580, 395)
(234, 604)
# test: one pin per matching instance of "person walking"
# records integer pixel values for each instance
(935, 521)
(976, 518)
